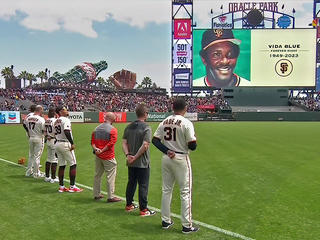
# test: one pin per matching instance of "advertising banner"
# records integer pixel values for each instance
(76, 117)
(181, 79)
(191, 116)
(91, 117)
(182, 28)
(182, 53)
(10, 116)
(120, 116)
(259, 57)
(157, 116)
(225, 21)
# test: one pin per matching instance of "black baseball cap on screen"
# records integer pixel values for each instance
(213, 36)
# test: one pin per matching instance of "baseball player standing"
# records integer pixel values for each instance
(24, 124)
(52, 161)
(174, 137)
(35, 131)
(65, 149)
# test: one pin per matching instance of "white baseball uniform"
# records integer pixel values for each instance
(176, 132)
(49, 125)
(63, 145)
(35, 125)
(29, 157)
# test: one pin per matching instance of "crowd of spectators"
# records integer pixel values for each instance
(82, 99)
(307, 102)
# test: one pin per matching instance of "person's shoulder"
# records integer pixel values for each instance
(185, 120)
(42, 119)
(65, 119)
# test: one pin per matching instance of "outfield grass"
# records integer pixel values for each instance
(258, 179)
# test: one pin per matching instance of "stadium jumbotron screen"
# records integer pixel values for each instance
(261, 57)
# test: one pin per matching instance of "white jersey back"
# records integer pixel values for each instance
(176, 132)
(49, 125)
(35, 125)
(61, 124)
(29, 115)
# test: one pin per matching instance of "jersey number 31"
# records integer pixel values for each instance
(170, 134)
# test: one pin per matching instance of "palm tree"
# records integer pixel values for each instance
(23, 75)
(146, 83)
(31, 77)
(7, 73)
(42, 75)
(100, 81)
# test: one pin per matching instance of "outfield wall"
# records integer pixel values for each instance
(276, 116)
(96, 117)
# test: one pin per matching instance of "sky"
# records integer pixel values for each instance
(133, 35)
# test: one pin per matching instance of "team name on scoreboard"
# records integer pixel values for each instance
(264, 6)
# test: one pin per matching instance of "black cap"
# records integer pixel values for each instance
(212, 36)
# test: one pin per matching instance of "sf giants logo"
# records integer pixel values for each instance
(182, 28)
(218, 32)
(284, 67)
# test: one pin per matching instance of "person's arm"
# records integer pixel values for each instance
(67, 132)
(25, 128)
(191, 136)
(158, 144)
(93, 145)
(68, 136)
(144, 147)
(192, 145)
(125, 147)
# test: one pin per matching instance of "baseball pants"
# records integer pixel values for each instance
(35, 151)
(177, 169)
(64, 154)
(110, 168)
(51, 157)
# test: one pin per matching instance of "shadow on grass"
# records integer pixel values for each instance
(148, 226)
(44, 190)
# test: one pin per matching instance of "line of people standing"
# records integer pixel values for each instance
(174, 137)
(57, 133)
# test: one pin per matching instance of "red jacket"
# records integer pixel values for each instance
(105, 135)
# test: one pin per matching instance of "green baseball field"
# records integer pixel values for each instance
(251, 180)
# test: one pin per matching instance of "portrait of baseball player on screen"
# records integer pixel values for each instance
(219, 54)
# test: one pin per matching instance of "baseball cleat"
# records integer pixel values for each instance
(166, 225)
(131, 208)
(63, 189)
(189, 230)
(47, 179)
(146, 213)
(114, 199)
(39, 175)
(54, 180)
(74, 188)
(98, 197)
(29, 174)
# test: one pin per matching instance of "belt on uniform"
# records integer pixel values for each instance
(62, 141)
(180, 152)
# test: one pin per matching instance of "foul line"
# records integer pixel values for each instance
(214, 228)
